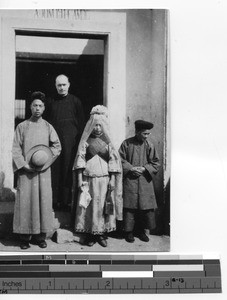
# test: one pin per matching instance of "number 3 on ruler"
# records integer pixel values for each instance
(167, 283)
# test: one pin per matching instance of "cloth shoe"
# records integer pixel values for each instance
(101, 240)
(129, 237)
(41, 243)
(143, 237)
(24, 245)
(89, 241)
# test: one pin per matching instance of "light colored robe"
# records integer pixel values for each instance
(33, 212)
(96, 171)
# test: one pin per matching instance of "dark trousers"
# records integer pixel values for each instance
(38, 237)
(61, 171)
(138, 220)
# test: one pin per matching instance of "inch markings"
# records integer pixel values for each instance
(109, 274)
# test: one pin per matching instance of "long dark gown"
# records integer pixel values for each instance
(67, 117)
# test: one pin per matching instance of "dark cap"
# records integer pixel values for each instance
(143, 125)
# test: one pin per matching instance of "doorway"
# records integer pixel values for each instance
(39, 59)
(109, 28)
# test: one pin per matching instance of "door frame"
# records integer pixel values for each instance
(112, 26)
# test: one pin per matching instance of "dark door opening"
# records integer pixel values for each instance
(85, 74)
(37, 71)
(40, 59)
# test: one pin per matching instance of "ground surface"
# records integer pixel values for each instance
(156, 243)
(115, 242)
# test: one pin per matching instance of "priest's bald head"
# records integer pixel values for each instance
(62, 85)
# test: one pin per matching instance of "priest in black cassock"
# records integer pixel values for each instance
(65, 113)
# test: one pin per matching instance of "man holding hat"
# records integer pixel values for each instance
(140, 163)
(35, 147)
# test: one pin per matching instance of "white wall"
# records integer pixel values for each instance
(146, 75)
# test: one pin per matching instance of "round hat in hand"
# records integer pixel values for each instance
(40, 157)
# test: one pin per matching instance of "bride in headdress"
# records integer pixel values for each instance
(98, 166)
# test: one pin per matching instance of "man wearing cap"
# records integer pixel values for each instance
(65, 113)
(140, 163)
(35, 147)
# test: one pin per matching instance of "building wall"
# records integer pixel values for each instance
(63, 22)
(146, 77)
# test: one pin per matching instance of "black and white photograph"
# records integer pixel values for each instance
(85, 131)
(113, 148)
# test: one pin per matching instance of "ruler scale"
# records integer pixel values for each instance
(108, 274)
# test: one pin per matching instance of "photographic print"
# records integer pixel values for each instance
(85, 138)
